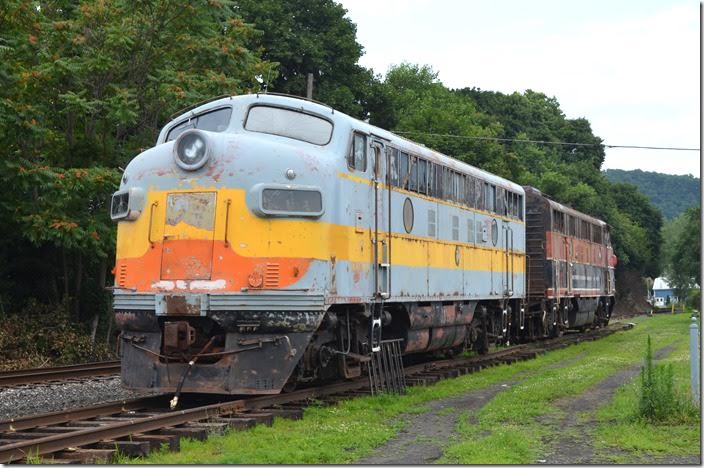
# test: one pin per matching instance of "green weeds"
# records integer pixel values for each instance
(659, 401)
(675, 429)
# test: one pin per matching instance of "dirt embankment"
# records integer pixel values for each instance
(630, 294)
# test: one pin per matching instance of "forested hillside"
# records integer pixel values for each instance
(87, 85)
(671, 194)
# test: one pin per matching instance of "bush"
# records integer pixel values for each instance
(42, 335)
(694, 298)
(659, 400)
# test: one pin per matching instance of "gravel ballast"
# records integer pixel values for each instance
(37, 399)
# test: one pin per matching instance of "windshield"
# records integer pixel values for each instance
(289, 123)
(213, 121)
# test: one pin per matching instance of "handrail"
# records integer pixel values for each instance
(228, 202)
(151, 218)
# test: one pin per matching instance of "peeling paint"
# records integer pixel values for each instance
(208, 285)
(163, 285)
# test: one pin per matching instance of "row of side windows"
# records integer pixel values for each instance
(572, 226)
(418, 175)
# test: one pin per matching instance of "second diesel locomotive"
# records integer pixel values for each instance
(267, 241)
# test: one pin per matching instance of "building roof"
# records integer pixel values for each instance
(661, 283)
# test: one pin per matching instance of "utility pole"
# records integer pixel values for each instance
(309, 89)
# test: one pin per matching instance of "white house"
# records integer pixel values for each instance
(663, 293)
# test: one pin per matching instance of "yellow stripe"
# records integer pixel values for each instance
(253, 236)
(364, 181)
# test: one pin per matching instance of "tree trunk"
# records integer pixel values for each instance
(94, 329)
(64, 262)
(107, 336)
(77, 289)
(102, 273)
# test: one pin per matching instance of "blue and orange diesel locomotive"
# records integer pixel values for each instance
(267, 240)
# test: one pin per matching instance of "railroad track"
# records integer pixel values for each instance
(55, 374)
(135, 427)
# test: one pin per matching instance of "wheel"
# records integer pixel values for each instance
(481, 346)
(556, 330)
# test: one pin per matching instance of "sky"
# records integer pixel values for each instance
(630, 67)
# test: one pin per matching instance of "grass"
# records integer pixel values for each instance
(504, 431)
(621, 431)
(337, 434)
(512, 427)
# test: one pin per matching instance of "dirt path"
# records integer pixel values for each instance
(424, 435)
(574, 446)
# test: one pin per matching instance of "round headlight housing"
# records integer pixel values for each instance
(191, 150)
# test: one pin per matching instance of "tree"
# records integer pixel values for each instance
(86, 86)
(644, 215)
(311, 36)
(93, 81)
(684, 269)
(424, 110)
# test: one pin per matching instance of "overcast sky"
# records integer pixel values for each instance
(630, 67)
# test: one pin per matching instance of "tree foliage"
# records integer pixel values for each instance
(684, 249)
(86, 86)
(91, 82)
(311, 36)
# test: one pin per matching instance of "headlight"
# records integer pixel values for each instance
(191, 150)
(127, 204)
(119, 208)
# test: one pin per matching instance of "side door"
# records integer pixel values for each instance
(381, 233)
(508, 258)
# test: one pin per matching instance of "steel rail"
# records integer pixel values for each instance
(29, 376)
(60, 417)
(58, 442)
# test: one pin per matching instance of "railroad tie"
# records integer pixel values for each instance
(195, 433)
(173, 442)
(129, 448)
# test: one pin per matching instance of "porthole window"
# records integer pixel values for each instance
(494, 232)
(408, 215)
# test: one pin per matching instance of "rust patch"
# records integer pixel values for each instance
(357, 270)
(417, 340)
(178, 336)
(179, 305)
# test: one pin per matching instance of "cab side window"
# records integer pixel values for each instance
(213, 121)
(357, 158)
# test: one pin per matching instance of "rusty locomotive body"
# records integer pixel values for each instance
(267, 241)
(571, 267)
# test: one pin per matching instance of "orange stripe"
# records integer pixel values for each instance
(142, 273)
